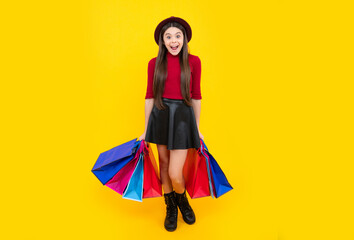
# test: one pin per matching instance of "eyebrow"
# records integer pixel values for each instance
(175, 34)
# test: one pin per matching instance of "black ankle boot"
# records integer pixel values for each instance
(171, 211)
(185, 208)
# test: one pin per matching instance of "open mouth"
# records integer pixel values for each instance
(174, 48)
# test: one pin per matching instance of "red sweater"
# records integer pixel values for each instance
(173, 80)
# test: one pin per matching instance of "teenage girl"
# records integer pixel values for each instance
(172, 111)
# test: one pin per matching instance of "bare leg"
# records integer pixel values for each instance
(164, 155)
(175, 170)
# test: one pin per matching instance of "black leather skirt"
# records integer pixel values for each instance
(175, 126)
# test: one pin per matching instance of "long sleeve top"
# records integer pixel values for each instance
(173, 81)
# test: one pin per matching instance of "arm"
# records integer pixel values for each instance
(149, 96)
(196, 93)
(149, 104)
(196, 104)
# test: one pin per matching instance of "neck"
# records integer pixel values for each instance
(170, 55)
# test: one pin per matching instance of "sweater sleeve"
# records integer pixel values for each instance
(149, 89)
(196, 93)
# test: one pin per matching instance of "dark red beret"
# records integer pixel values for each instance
(173, 19)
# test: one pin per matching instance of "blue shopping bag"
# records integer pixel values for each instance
(111, 161)
(220, 181)
(134, 189)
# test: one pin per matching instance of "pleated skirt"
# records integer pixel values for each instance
(175, 126)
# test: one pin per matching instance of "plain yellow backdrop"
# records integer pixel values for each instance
(276, 114)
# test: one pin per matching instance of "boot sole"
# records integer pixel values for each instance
(170, 229)
(190, 223)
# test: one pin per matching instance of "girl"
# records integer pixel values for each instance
(172, 111)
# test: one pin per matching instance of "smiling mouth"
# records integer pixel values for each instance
(174, 48)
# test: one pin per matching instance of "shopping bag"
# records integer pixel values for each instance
(123, 169)
(134, 189)
(152, 184)
(220, 182)
(207, 161)
(111, 161)
(195, 174)
(119, 181)
(152, 159)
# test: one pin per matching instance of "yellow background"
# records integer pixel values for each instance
(276, 114)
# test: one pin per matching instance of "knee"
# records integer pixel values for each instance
(175, 176)
(164, 165)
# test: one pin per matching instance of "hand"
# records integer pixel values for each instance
(142, 137)
(200, 135)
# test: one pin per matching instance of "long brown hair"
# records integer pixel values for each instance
(160, 73)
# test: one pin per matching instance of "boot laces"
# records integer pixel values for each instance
(171, 206)
(171, 211)
(184, 204)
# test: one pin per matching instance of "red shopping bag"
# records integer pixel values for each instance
(152, 185)
(196, 175)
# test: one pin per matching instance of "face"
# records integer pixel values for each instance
(173, 39)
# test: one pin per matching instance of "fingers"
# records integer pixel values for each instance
(200, 135)
(142, 137)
